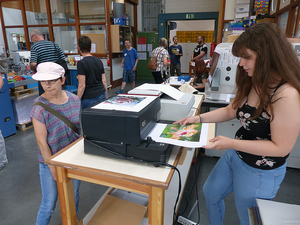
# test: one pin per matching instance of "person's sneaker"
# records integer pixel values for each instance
(4, 165)
(120, 92)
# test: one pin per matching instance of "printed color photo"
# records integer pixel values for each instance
(124, 100)
(189, 132)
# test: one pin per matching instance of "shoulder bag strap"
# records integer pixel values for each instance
(158, 54)
(58, 115)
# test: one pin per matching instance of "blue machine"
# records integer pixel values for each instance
(7, 120)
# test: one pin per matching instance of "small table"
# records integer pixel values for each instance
(73, 163)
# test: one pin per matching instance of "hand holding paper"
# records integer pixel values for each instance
(220, 143)
(192, 119)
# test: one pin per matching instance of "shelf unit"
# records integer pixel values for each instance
(118, 35)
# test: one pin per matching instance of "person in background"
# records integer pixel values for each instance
(200, 52)
(267, 103)
(201, 75)
(129, 64)
(42, 51)
(162, 57)
(175, 52)
(92, 86)
(3, 157)
(52, 134)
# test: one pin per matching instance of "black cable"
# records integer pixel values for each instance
(197, 198)
(179, 190)
(196, 109)
(197, 171)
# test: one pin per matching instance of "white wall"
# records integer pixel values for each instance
(181, 6)
(229, 10)
(194, 25)
(1, 35)
(139, 17)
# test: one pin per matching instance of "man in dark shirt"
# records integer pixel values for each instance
(92, 86)
(200, 52)
(43, 51)
(175, 51)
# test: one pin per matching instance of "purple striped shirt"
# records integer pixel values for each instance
(59, 135)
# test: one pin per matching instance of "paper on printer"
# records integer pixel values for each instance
(175, 104)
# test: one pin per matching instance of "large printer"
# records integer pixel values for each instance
(119, 131)
(221, 80)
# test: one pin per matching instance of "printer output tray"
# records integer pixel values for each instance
(151, 152)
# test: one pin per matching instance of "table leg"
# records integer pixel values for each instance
(156, 206)
(66, 197)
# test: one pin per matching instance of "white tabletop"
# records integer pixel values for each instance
(75, 157)
(277, 213)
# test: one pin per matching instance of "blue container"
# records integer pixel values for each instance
(186, 78)
(119, 21)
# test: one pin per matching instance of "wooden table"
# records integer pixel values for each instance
(73, 163)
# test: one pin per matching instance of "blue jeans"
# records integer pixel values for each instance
(85, 103)
(231, 174)
(50, 194)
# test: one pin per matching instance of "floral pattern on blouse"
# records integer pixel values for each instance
(256, 129)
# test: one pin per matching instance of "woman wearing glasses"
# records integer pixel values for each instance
(52, 134)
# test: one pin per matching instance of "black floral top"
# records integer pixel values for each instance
(256, 129)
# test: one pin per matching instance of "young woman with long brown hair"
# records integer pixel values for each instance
(267, 104)
(200, 75)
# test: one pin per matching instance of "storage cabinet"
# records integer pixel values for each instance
(118, 35)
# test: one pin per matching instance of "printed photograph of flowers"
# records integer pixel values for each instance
(124, 100)
(189, 132)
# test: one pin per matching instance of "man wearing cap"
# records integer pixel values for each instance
(52, 134)
(43, 51)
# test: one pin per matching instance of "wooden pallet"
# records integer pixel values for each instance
(24, 126)
(19, 91)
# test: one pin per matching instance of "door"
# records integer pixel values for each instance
(146, 42)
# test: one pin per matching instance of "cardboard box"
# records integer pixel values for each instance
(240, 15)
(242, 7)
(270, 20)
(242, 1)
(22, 107)
(116, 211)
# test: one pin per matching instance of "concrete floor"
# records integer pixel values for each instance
(20, 192)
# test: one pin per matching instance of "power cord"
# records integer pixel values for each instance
(196, 171)
(196, 109)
